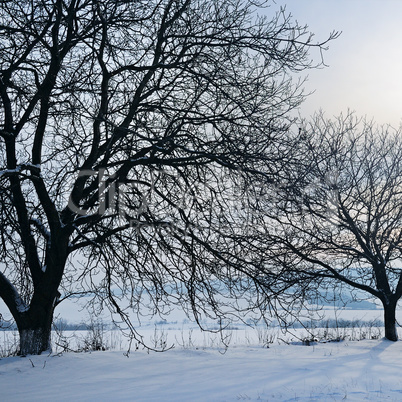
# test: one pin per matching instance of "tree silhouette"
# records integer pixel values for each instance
(339, 220)
(123, 126)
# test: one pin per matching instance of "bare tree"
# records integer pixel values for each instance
(339, 220)
(123, 125)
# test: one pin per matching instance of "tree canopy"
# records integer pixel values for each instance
(339, 219)
(124, 127)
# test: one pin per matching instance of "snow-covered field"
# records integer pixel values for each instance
(258, 364)
(353, 371)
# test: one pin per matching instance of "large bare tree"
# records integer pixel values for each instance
(338, 218)
(123, 125)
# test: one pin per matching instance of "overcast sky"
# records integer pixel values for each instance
(365, 62)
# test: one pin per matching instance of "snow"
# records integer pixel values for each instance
(200, 368)
(7, 172)
(353, 371)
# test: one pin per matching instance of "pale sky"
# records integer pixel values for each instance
(365, 62)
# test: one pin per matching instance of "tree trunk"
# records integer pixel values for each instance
(34, 341)
(390, 321)
(35, 330)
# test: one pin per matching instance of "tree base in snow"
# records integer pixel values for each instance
(34, 342)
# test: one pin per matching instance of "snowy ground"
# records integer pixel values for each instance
(259, 364)
(353, 371)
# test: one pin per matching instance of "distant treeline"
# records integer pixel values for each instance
(60, 324)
